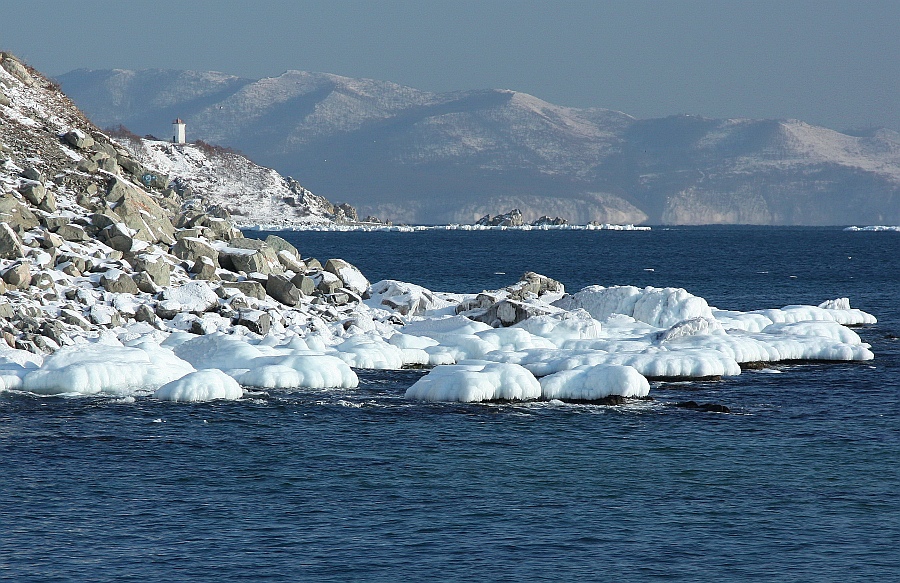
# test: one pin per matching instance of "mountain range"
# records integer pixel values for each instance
(413, 156)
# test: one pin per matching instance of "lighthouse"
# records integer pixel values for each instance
(178, 128)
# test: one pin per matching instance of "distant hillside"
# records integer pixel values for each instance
(420, 157)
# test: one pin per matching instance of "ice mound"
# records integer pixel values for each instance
(404, 298)
(474, 382)
(562, 327)
(307, 370)
(365, 351)
(102, 368)
(218, 351)
(659, 307)
(692, 327)
(590, 383)
(202, 385)
(838, 311)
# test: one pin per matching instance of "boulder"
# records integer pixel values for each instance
(249, 288)
(279, 245)
(256, 321)
(87, 165)
(145, 313)
(34, 192)
(18, 276)
(140, 212)
(290, 262)
(192, 249)
(79, 139)
(117, 236)
(305, 283)
(10, 245)
(327, 282)
(72, 232)
(117, 281)
(280, 288)
(262, 260)
(204, 268)
(349, 275)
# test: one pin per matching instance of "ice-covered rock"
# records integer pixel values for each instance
(202, 385)
(659, 307)
(591, 383)
(476, 381)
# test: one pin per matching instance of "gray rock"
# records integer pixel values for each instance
(279, 244)
(204, 268)
(32, 173)
(72, 232)
(242, 243)
(218, 228)
(280, 288)
(87, 165)
(191, 249)
(42, 280)
(118, 281)
(352, 278)
(4, 100)
(145, 283)
(313, 264)
(255, 320)
(73, 318)
(251, 289)
(327, 282)
(305, 284)
(10, 245)
(108, 164)
(34, 192)
(79, 139)
(158, 269)
(263, 260)
(18, 276)
(117, 236)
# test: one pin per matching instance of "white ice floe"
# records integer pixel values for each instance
(102, 368)
(475, 381)
(292, 365)
(202, 385)
(590, 383)
(660, 307)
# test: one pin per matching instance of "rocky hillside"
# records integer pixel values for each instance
(415, 156)
(94, 241)
(252, 194)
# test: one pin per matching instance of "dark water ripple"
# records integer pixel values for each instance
(799, 483)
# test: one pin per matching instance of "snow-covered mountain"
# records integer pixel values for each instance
(415, 156)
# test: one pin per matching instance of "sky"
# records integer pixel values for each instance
(827, 62)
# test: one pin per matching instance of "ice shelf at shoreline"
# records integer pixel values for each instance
(596, 343)
(452, 227)
(875, 228)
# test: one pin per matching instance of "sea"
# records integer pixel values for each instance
(799, 482)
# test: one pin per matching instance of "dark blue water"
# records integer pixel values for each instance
(799, 483)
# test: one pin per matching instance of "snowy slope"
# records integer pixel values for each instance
(253, 194)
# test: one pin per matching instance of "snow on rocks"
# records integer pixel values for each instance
(475, 381)
(201, 385)
(592, 383)
(117, 279)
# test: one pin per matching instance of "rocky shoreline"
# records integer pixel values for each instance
(116, 280)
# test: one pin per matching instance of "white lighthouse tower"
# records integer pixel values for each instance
(178, 127)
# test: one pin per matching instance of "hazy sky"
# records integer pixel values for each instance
(828, 62)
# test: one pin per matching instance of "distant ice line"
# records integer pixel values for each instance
(451, 227)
